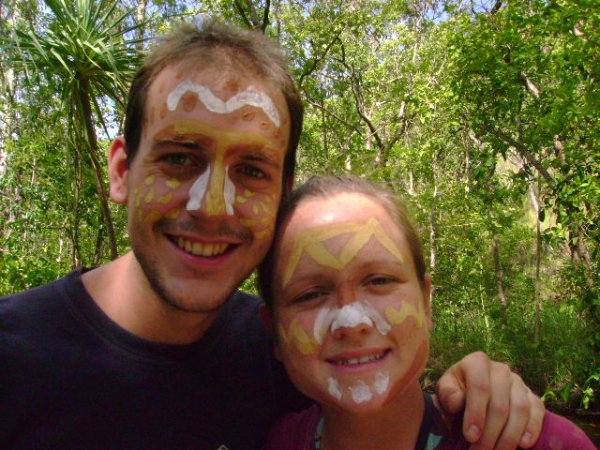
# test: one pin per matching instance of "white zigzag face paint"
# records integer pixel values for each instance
(250, 97)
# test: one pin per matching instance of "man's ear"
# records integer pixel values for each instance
(118, 171)
(427, 300)
(267, 320)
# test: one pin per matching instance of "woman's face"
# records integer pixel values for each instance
(351, 317)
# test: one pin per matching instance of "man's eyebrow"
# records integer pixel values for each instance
(192, 144)
(262, 155)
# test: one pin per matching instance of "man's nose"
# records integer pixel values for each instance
(213, 193)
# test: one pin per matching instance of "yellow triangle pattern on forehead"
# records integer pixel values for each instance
(311, 242)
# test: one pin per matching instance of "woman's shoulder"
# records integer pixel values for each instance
(295, 431)
(559, 433)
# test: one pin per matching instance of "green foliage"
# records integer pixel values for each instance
(474, 117)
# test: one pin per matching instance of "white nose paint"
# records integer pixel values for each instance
(348, 316)
(351, 316)
(198, 191)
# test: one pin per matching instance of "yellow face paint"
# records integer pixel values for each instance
(165, 198)
(311, 242)
(172, 213)
(149, 196)
(149, 180)
(173, 183)
(214, 196)
(397, 316)
(299, 337)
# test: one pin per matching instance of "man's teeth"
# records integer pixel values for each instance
(199, 249)
(363, 360)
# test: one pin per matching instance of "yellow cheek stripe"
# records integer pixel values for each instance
(149, 196)
(149, 180)
(165, 198)
(172, 213)
(311, 242)
(299, 337)
(397, 316)
(173, 183)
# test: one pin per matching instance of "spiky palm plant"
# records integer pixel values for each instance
(86, 50)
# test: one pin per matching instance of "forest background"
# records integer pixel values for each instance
(483, 115)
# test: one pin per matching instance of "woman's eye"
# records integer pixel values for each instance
(252, 171)
(308, 296)
(381, 280)
(178, 159)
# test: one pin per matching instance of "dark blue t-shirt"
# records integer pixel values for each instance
(72, 378)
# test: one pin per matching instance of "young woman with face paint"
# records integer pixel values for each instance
(348, 304)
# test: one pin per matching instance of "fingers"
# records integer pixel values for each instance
(508, 411)
(536, 421)
(467, 385)
(489, 414)
(500, 411)
(450, 390)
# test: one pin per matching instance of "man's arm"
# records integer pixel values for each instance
(501, 412)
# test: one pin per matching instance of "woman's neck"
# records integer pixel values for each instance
(395, 426)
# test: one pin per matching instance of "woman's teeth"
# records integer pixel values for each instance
(199, 249)
(354, 361)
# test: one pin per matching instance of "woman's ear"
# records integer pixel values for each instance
(427, 288)
(267, 319)
(118, 171)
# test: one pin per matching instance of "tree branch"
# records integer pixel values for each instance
(522, 151)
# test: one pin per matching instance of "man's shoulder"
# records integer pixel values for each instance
(43, 291)
(33, 303)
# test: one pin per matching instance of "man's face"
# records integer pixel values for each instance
(204, 187)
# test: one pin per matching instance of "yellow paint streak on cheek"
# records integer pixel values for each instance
(149, 180)
(172, 213)
(299, 337)
(165, 198)
(173, 183)
(397, 316)
(149, 196)
(153, 215)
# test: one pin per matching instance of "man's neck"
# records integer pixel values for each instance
(395, 426)
(121, 289)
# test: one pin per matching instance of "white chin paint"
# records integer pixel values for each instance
(361, 392)
(382, 382)
(334, 388)
(249, 97)
(197, 191)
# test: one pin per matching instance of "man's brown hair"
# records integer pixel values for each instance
(209, 43)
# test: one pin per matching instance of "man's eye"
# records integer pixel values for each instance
(252, 171)
(178, 159)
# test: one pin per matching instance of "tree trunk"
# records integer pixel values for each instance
(538, 259)
(93, 151)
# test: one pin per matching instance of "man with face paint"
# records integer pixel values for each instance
(157, 349)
